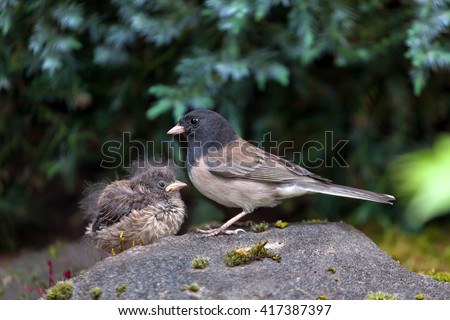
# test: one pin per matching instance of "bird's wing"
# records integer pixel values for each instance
(116, 201)
(241, 159)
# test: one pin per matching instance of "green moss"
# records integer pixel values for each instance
(314, 220)
(261, 227)
(322, 297)
(233, 258)
(2, 292)
(200, 263)
(276, 258)
(96, 293)
(241, 256)
(281, 224)
(440, 276)
(259, 251)
(120, 290)
(62, 290)
(192, 287)
(332, 269)
(381, 296)
(420, 296)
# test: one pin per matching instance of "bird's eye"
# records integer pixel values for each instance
(161, 184)
(194, 121)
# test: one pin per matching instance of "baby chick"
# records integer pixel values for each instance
(138, 210)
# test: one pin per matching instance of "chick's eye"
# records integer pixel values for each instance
(161, 184)
(194, 121)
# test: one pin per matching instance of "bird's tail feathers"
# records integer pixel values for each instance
(348, 192)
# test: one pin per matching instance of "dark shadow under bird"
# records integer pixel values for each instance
(233, 172)
(137, 210)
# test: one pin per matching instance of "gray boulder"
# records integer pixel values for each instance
(317, 259)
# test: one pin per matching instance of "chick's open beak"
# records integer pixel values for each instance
(177, 185)
(178, 129)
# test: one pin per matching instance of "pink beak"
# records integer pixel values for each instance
(178, 129)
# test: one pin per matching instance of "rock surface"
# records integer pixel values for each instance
(307, 251)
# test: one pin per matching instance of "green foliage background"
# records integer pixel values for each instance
(75, 74)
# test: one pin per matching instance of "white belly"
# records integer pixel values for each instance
(233, 192)
(286, 191)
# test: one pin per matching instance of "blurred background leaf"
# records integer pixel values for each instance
(423, 177)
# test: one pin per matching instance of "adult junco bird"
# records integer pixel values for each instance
(140, 209)
(231, 171)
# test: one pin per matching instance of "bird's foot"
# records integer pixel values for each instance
(217, 231)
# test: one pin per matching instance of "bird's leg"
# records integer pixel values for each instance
(223, 228)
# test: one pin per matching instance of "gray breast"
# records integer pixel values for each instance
(233, 192)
